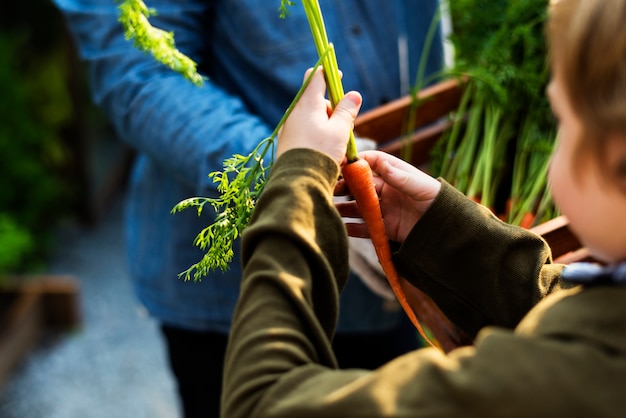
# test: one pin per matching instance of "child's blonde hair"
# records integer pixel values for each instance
(587, 40)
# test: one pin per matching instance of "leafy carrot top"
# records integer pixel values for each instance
(160, 44)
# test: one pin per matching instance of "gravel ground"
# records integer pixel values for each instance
(115, 365)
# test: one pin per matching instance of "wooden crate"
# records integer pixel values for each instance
(30, 306)
(20, 327)
(386, 125)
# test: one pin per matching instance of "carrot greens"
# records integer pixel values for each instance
(498, 148)
(284, 8)
(134, 15)
(329, 62)
(243, 177)
(240, 183)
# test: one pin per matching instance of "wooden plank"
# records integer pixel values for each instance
(558, 235)
(60, 297)
(388, 122)
(20, 332)
(37, 302)
(565, 246)
(61, 302)
(419, 144)
(386, 125)
(579, 255)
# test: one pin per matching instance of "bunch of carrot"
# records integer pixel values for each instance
(498, 149)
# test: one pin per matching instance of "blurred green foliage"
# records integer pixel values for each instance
(506, 131)
(35, 108)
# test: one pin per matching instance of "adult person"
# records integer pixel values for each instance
(550, 339)
(254, 62)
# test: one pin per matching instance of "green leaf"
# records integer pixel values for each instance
(284, 8)
(133, 15)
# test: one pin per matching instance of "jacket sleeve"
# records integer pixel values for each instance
(479, 270)
(279, 360)
(189, 129)
(294, 255)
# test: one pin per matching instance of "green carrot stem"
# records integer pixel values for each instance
(269, 143)
(466, 155)
(499, 135)
(543, 206)
(452, 140)
(239, 184)
(491, 125)
(430, 36)
(536, 189)
(295, 100)
(326, 52)
(420, 82)
(473, 188)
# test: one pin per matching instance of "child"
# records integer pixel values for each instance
(550, 341)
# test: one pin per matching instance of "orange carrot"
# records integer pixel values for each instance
(448, 336)
(359, 179)
(357, 173)
(527, 220)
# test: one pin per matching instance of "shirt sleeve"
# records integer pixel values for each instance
(294, 255)
(189, 129)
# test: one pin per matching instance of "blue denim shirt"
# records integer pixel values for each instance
(255, 62)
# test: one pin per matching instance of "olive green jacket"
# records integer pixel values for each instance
(540, 350)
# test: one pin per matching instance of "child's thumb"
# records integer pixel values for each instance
(348, 108)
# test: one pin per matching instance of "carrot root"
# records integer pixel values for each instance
(359, 179)
(527, 220)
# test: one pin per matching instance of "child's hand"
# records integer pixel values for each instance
(405, 194)
(312, 123)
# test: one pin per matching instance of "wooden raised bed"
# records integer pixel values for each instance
(30, 306)
(386, 125)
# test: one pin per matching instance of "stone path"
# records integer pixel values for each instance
(115, 365)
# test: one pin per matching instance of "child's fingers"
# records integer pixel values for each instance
(341, 189)
(316, 87)
(347, 109)
(377, 159)
(403, 176)
(307, 73)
